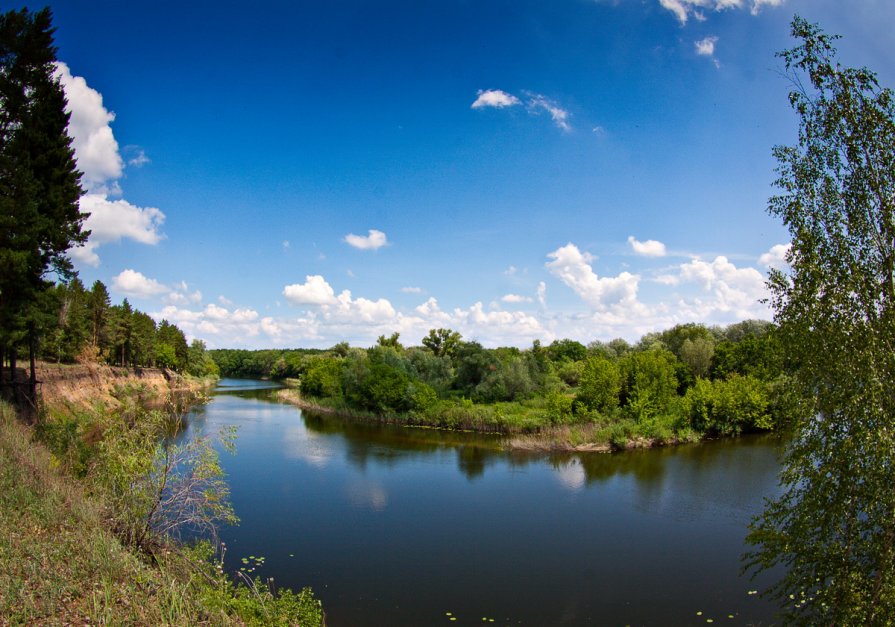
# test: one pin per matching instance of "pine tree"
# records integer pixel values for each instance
(39, 182)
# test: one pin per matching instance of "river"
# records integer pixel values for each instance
(396, 526)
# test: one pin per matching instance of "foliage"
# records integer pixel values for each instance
(600, 384)
(322, 377)
(158, 488)
(760, 356)
(648, 382)
(390, 341)
(63, 566)
(833, 528)
(39, 184)
(728, 406)
(442, 342)
(566, 350)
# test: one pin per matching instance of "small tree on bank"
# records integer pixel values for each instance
(833, 528)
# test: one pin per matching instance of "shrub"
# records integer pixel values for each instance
(600, 384)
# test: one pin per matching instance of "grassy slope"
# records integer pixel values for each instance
(58, 564)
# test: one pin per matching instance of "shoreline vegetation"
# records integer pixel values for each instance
(93, 501)
(685, 384)
(553, 439)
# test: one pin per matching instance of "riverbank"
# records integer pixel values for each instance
(521, 432)
(84, 386)
(72, 496)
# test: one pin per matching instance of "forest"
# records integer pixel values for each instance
(680, 384)
(82, 325)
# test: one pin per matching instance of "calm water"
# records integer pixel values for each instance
(396, 526)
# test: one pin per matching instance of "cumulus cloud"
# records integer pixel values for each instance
(135, 284)
(98, 157)
(314, 291)
(573, 268)
(132, 283)
(494, 98)
(95, 146)
(317, 292)
(412, 290)
(730, 290)
(542, 294)
(220, 323)
(649, 248)
(373, 241)
(684, 9)
(515, 298)
(112, 220)
(775, 257)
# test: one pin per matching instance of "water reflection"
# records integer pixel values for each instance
(367, 494)
(395, 526)
(571, 474)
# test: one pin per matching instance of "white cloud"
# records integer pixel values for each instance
(92, 139)
(542, 294)
(775, 257)
(221, 326)
(732, 290)
(373, 241)
(757, 4)
(412, 290)
(706, 46)
(182, 296)
(535, 103)
(98, 157)
(573, 268)
(314, 291)
(677, 7)
(559, 115)
(515, 298)
(649, 248)
(132, 283)
(136, 156)
(135, 284)
(494, 98)
(683, 9)
(113, 220)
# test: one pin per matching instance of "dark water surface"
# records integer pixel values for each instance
(394, 526)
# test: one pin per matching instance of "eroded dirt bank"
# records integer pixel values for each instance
(86, 385)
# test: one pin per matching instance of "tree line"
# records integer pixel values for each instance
(720, 380)
(87, 327)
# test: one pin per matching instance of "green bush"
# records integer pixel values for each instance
(729, 406)
(600, 384)
(648, 382)
(322, 378)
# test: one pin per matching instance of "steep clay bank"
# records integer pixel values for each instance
(86, 385)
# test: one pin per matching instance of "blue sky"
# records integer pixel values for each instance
(300, 173)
